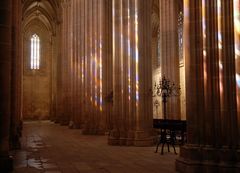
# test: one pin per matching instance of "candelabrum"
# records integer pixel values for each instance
(165, 88)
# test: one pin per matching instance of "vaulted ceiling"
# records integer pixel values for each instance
(45, 12)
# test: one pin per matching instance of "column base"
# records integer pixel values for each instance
(89, 128)
(100, 132)
(57, 119)
(64, 121)
(197, 159)
(130, 138)
(93, 132)
(117, 138)
(73, 125)
(85, 132)
(85, 128)
(113, 138)
(52, 118)
(6, 164)
(89, 132)
(143, 139)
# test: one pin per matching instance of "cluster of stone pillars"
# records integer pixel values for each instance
(10, 70)
(105, 81)
(132, 73)
(212, 117)
(86, 77)
(169, 51)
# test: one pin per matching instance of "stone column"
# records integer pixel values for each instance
(107, 64)
(144, 104)
(211, 73)
(93, 121)
(63, 64)
(237, 55)
(115, 133)
(63, 118)
(59, 66)
(132, 30)
(16, 77)
(85, 90)
(69, 58)
(89, 67)
(59, 70)
(74, 67)
(103, 43)
(212, 144)
(132, 56)
(78, 61)
(125, 70)
(95, 60)
(81, 62)
(72, 70)
(193, 47)
(169, 56)
(55, 48)
(230, 119)
(87, 81)
(5, 81)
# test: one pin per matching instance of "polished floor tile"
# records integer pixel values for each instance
(51, 148)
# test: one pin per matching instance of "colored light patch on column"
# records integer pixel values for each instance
(96, 70)
(220, 47)
(137, 53)
(237, 45)
(91, 75)
(219, 36)
(204, 39)
(237, 27)
(100, 69)
(186, 9)
(129, 50)
(238, 80)
(82, 70)
(237, 49)
(237, 15)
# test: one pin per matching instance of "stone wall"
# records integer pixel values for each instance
(37, 83)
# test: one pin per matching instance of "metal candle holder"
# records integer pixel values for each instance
(165, 88)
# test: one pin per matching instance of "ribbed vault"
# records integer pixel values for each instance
(44, 11)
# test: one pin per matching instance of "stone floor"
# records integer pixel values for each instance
(51, 148)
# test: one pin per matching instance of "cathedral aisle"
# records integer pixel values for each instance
(50, 148)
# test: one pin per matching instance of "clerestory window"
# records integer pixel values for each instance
(180, 35)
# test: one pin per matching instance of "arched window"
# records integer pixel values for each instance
(158, 50)
(35, 52)
(180, 35)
